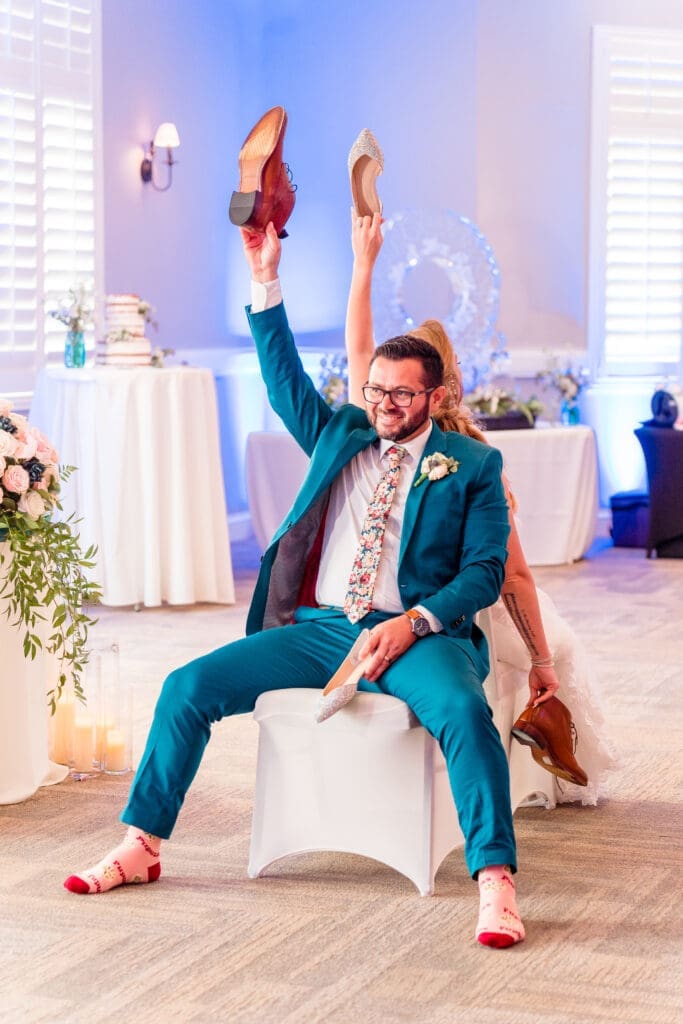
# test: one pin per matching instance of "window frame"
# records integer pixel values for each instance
(604, 38)
(19, 368)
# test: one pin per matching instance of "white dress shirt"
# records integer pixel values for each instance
(350, 494)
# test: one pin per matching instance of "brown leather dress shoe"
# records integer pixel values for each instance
(265, 190)
(549, 731)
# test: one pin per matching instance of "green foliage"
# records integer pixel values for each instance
(45, 580)
(492, 401)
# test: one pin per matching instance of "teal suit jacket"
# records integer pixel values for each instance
(453, 542)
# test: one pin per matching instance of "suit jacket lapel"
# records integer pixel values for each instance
(435, 442)
(324, 468)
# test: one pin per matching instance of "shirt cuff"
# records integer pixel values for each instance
(436, 624)
(265, 296)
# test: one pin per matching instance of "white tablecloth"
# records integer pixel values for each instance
(552, 471)
(149, 485)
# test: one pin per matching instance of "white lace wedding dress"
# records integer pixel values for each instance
(508, 691)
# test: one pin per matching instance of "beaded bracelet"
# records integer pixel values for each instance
(543, 662)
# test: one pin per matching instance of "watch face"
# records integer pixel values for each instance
(421, 627)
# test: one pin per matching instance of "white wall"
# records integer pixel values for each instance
(533, 120)
(213, 67)
(169, 60)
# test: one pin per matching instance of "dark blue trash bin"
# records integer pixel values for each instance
(630, 519)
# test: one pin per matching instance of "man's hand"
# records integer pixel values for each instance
(262, 253)
(387, 642)
(366, 238)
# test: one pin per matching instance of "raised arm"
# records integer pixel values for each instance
(521, 601)
(366, 241)
(291, 392)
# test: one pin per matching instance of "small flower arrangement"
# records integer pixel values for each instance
(333, 379)
(76, 310)
(436, 467)
(569, 380)
(492, 401)
(159, 356)
(44, 575)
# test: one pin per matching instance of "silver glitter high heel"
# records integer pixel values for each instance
(343, 685)
(366, 162)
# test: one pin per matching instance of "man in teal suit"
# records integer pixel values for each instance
(439, 559)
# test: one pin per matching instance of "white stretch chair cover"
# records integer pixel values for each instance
(371, 780)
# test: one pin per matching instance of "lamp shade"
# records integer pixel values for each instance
(167, 135)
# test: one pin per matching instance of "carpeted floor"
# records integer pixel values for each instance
(341, 939)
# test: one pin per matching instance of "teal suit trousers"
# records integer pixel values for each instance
(440, 678)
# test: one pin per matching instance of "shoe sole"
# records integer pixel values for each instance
(258, 147)
(533, 739)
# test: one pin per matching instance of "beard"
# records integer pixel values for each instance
(397, 424)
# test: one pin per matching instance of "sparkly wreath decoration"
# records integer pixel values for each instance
(464, 261)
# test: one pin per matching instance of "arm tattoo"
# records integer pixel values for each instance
(522, 624)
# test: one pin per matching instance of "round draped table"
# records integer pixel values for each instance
(552, 472)
(149, 485)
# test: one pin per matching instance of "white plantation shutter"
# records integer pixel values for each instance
(50, 113)
(636, 265)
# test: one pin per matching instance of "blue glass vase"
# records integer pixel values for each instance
(569, 413)
(74, 349)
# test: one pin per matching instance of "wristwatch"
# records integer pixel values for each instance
(419, 625)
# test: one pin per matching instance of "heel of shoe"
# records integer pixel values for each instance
(525, 733)
(243, 207)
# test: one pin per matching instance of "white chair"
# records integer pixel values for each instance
(370, 780)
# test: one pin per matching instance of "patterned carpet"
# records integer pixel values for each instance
(341, 939)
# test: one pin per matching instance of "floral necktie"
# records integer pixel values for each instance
(358, 600)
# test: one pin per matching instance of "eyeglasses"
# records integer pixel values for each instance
(399, 396)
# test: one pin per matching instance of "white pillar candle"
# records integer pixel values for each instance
(101, 729)
(83, 743)
(115, 752)
(62, 726)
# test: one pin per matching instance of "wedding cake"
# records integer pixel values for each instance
(124, 342)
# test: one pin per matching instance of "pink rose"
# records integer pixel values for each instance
(16, 480)
(32, 505)
(2, 465)
(26, 449)
(45, 453)
(438, 472)
(7, 443)
(5, 407)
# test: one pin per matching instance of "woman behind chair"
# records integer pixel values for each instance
(520, 637)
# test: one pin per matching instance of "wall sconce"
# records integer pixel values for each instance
(166, 135)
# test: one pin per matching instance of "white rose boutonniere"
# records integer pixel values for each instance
(436, 467)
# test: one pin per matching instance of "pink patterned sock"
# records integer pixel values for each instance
(135, 860)
(499, 923)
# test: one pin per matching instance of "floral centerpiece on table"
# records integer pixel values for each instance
(76, 310)
(568, 381)
(44, 577)
(333, 379)
(489, 402)
(76, 313)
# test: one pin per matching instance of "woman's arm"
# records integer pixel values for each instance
(366, 241)
(521, 601)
